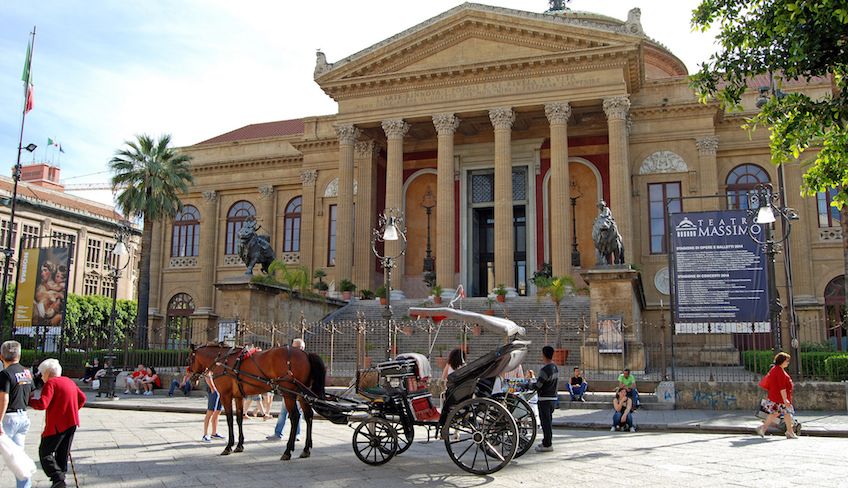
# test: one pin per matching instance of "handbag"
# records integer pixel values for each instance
(95, 384)
(16, 459)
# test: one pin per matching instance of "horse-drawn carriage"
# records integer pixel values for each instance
(482, 431)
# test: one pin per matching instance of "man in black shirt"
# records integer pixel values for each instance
(577, 386)
(16, 384)
(546, 387)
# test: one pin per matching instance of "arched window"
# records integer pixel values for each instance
(185, 235)
(291, 240)
(741, 181)
(834, 311)
(236, 217)
(178, 324)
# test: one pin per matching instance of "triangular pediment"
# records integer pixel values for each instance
(475, 35)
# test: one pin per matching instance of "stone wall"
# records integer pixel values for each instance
(746, 396)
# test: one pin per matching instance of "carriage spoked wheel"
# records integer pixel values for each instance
(482, 436)
(524, 418)
(375, 441)
(404, 435)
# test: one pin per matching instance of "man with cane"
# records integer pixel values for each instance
(62, 399)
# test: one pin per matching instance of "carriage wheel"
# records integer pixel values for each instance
(482, 436)
(524, 418)
(404, 435)
(375, 442)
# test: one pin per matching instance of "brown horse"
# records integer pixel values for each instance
(287, 370)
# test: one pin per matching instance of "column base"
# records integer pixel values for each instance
(511, 292)
(448, 293)
(398, 294)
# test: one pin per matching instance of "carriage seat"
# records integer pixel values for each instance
(421, 378)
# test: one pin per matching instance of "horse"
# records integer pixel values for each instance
(607, 242)
(238, 373)
(253, 248)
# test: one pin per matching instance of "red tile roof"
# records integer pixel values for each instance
(59, 199)
(259, 131)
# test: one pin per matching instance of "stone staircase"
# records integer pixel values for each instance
(602, 400)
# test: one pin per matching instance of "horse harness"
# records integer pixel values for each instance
(273, 383)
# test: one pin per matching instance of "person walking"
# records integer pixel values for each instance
(546, 386)
(16, 385)
(62, 400)
(213, 409)
(284, 413)
(779, 402)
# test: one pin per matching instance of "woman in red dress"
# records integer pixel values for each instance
(779, 385)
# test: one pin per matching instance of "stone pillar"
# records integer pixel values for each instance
(307, 218)
(707, 147)
(206, 259)
(446, 125)
(617, 109)
(267, 203)
(560, 232)
(395, 131)
(502, 119)
(344, 226)
(366, 209)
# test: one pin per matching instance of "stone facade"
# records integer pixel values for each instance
(507, 117)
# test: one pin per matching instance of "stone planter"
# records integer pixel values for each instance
(560, 356)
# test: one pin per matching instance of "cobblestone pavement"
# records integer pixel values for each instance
(155, 449)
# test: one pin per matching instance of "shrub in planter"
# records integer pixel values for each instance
(347, 288)
(366, 294)
(381, 294)
(837, 367)
(437, 294)
(500, 291)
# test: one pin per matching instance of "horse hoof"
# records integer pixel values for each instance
(304, 454)
(239, 449)
(226, 452)
(285, 457)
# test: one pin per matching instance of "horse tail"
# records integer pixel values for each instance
(318, 372)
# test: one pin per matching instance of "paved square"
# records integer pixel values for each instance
(145, 449)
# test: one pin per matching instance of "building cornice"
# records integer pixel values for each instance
(245, 164)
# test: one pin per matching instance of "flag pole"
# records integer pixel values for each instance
(7, 250)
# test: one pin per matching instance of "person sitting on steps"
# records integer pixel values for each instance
(628, 382)
(577, 386)
(622, 417)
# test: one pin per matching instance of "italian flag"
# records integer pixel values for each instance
(26, 77)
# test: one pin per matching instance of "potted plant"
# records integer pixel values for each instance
(347, 288)
(381, 294)
(557, 288)
(322, 288)
(500, 291)
(489, 310)
(366, 294)
(437, 294)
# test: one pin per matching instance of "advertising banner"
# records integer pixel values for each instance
(42, 286)
(718, 273)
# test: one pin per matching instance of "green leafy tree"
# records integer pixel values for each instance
(150, 175)
(557, 288)
(794, 40)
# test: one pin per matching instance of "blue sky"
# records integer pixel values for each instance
(107, 70)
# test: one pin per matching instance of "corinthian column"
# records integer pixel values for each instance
(206, 259)
(560, 232)
(617, 109)
(502, 119)
(395, 130)
(366, 209)
(707, 147)
(344, 226)
(446, 125)
(266, 210)
(307, 219)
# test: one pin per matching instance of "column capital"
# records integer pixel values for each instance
(308, 177)
(707, 146)
(558, 112)
(364, 148)
(210, 197)
(347, 133)
(502, 117)
(617, 108)
(395, 128)
(446, 124)
(266, 191)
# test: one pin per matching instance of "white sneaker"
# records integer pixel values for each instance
(612, 429)
(126, 392)
(206, 438)
(632, 429)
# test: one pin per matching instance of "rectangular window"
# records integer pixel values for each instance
(30, 236)
(828, 215)
(61, 239)
(107, 286)
(331, 236)
(658, 194)
(90, 285)
(110, 260)
(4, 234)
(92, 256)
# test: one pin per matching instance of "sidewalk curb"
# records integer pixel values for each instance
(678, 428)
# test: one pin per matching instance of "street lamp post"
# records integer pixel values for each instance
(119, 251)
(575, 253)
(390, 227)
(765, 209)
(429, 203)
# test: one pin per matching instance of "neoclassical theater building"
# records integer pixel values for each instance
(512, 126)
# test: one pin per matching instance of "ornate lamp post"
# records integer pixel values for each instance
(115, 270)
(390, 227)
(429, 202)
(575, 194)
(765, 209)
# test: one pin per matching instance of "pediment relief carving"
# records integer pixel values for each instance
(663, 162)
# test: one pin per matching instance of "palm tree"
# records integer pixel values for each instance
(557, 289)
(151, 175)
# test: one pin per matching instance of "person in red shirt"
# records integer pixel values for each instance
(779, 385)
(62, 399)
(134, 380)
